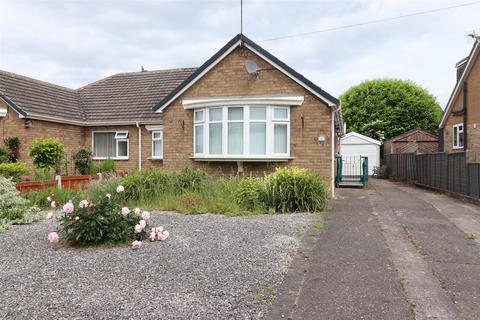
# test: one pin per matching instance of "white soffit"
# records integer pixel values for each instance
(277, 100)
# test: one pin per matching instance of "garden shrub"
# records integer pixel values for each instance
(47, 153)
(13, 170)
(92, 169)
(82, 158)
(145, 185)
(104, 222)
(13, 144)
(187, 179)
(13, 208)
(4, 155)
(250, 193)
(293, 189)
(107, 165)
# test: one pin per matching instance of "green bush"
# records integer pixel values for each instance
(13, 170)
(92, 169)
(13, 144)
(294, 189)
(107, 165)
(187, 179)
(13, 208)
(4, 155)
(82, 159)
(250, 193)
(47, 153)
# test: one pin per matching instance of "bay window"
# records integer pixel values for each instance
(458, 136)
(157, 144)
(110, 145)
(254, 131)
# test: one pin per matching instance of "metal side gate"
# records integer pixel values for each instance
(352, 171)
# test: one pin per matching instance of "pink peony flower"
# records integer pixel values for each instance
(108, 195)
(143, 223)
(162, 236)
(50, 215)
(146, 215)
(152, 236)
(120, 189)
(138, 211)
(83, 204)
(125, 211)
(53, 237)
(159, 229)
(49, 199)
(138, 228)
(77, 218)
(53, 204)
(68, 207)
(136, 244)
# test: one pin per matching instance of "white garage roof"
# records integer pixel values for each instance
(357, 138)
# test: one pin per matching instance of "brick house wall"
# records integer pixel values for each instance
(71, 136)
(473, 116)
(228, 78)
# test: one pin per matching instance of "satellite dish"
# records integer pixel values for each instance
(251, 67)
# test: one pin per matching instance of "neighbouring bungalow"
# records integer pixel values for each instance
(413, 141)
(243, 110)
(460, 125)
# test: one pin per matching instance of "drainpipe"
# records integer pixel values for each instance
(139, 146)
(335, 110)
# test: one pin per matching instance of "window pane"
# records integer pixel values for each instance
(157, 149)
(215, 114)
(280, 113)
(258, 137)
(199, 115)
(235, 113)
(157, 135)
(104, 144)
(215, 143)
(122, 148)
(280, 138)
(199, 139)
(460, 139)
(258, 113)
(235, 138)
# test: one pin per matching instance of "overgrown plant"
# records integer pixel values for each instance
(107, 165)
(13, 208)
(13, 144)
(82, 159)
(4, 155)
(250, 193)
(13, 170)
(47, 153)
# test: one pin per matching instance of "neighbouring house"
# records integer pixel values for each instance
(354, 145)
(413, 141)
(460, 124)
(224, 116)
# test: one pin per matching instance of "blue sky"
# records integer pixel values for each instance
(72, 43)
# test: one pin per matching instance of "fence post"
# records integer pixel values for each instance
(100, 176)
(58, 179)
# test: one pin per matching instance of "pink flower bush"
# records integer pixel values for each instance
(143, 223)
(158, 234)
(138, 228)
(120, 189)
(50, 215)
(83, 204)
(53, 204)
(138, 211)
(125, 211)
(136, 244)
(146, 215)
(68, 207)
(53, 237)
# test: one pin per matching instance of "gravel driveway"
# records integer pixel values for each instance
(211, 267)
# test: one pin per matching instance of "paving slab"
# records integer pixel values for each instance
(346, 272)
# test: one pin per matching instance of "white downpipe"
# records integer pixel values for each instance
(333, 152)
(139, 146)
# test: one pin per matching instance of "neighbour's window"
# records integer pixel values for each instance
(458, 135)
(242, 131)
(112, 145)
(157, 144)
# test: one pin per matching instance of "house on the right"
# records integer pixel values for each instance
(460, 124)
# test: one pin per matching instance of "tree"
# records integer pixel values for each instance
(385, 108)
(47, 153)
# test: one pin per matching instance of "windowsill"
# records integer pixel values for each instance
(243, 159)
(115, 159)
(457, 148)
(155, 159)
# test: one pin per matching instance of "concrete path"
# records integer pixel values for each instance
(388, 252)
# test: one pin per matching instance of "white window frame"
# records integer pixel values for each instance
(153, 143)
(459, 131)
(119, 134)
(270, 122)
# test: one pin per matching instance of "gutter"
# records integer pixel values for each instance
(139, 145)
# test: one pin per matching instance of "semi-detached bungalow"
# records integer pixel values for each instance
(218, 117)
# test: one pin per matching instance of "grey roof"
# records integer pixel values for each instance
(122, 97)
